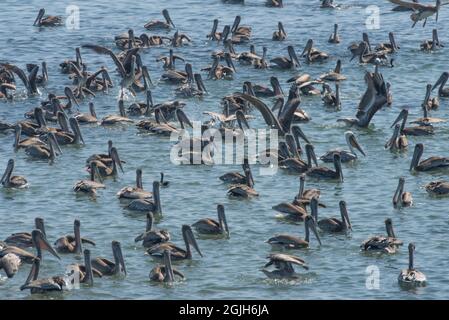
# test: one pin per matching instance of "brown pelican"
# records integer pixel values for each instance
(374, 98)
(431, 45)
(157, 24)
(331, 99)
(106, 266)
(10, 263)
(366, 56)
(147, 204)
(136, 192)
(218, 71)
(331, 224)
(430, 103)
(90, 117)
(442, 91)
(142, 108)
(334, 37)
(55, 283)
(383, 244)
(86, 272)
(313, 55)
(426, 120)
(244, 190)
(188, 90)
(33, 140)
(176, 252)
(72, 243)
(280, 35)
(29, 82)
(179, 39)
(169, 61)
(326, 173)
(152, 236)
(287, 62)
(388, 47)
(105, 158)
(41, 80)
(420, 11)
(428, 164)
(165, 273)
(398, 141)
(402, 8)
(411, 277)
(437, 187)
(67, 65)
(90, 186)
(164, 128)
(116, 119)
(44, 152)
(240, 33)
(293, 163)
(420, 130)
(305, 195)
(176, 76)
(65, 137)
(334, 75)
(262, 91)
(214, 35)
(4, 87)
(47, 21)
(291, 242)
(346, 156)
(211, 226)
(402, 198)
(283, 266)
(24, 239)
(106, 171)
(9, 181)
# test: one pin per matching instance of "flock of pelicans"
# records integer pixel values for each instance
(41, 141)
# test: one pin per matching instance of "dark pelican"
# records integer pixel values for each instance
(157, 24)
(211, 226)
(176, 252)
(90, 117)
(280, 34)
(55, 283)
(106, 266)
(313, 55)
(345, 156)
(334, 37)
(114, 119)
(437, 187)
(44, 152)
(235, 177)
(287, 62)
(411, 277)
(9, 181)
(163, 183)
(244, 190)
(332, 224)
(389, 47)
(383, 244)
(136, 192)
(331, 99)
(420, 130)
(283, 266)
(402, 198)
(148, 204)
(398, 141)
(72, 243)
(326, 173)
(334, 75)
(48, 21)
(428, 164)
(42, 79)
(442, 91)
(106, 171)
(24, 239)
(152, 236)
(90, 186)
(105, 158)
(293, 163)
(292, 242)
(86, 272)
(165, 273)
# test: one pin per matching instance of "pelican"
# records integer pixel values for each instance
(145, 204)
(67, 65)
(330, 98)
(41, 80)
(420, 11)
(86, 272)
(389, 47)
(426, 120)
(430, 103)
(345, 156)
(65, 137)
(218, 71)
(90, 186)
(136, 192)
(442, 91)
(289, 62)
(169, 61)
(23, 239)
(291, 242)
(432, 45)
(165, 273)
(326, 173)
(176, 252)
(105, 158)
(244, 190)
(402, 198)
(367, 56)
(240, 33)
(72, 243)
(305, 195)
(211, 226)
(55, 283)
(294, 163)
(262, 91)
(106, 266)
(332, 225)
(117, 119)
(178, 39)
(48, 21)
(152, 236)
(328, 4)
(44, 152)
(428, 164)
(313, 55)
(334, 75)
(411, 277)
(106, 171)
(90, 117)
(9, 181)
(157, 24)
(334, 37)
(214, 35)
(284, 266)
(398, 141)
(383, 244)
(280, 34)
(142, 108)
(421, 130)
(235, 177)
(188, 90)
(437, 187)
(402, 8)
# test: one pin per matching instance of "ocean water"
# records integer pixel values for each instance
(230, 268)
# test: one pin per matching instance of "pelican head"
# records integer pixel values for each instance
(190, 240)
(39, 17)
(311, 156)
(118, 257)
(344, 214)
(169, 276)
(310, 223)
(182, 118)
(417, 154)
(167, 18)
(442, 80)
(236, 24)
(337, 164)
(292, 54)
(76, 130)
(274, 81)
(399, 190)
(389, 228)
(281, 28)
(8, 171)
(199, 82)
(40, 242)
(402, 116)
(393, 41)
(353, 143)
(116, 158)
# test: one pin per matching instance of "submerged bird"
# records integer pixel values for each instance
(90, 186)
(9, 181)
(283, 266)
(402, 198)
(211, 226)
(411, 276)
(152, 236)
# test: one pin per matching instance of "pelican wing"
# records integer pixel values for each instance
(19, 72)
(103, 50)
(410, 5)
(287, 258)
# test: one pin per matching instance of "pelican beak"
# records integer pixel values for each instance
(117, 251)
(401, 116)
(17, 133)
(229, 61)
(281, 28)
(236, 23)
(199, 82)
(354, 143)
(297, 131)
(419, 149)
(241, 119)
(398, 192)
(276, 86)
(311, 149)
(344, 213)
(308, 47)
(39, 240)
(187, 230)
(213, 69)
(222, 218)
(182, 118)
(312, 225)
(169, 275)
(225, 33)
(293, 56)
(52, 140)
(337, 164)
(167, 17)
(146, 76)
(39, 17)
(69, 93)
(116, 158)
(440, 81)
(76, 128)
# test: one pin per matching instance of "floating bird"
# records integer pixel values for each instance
(334, 37)
(437, 187)
(280, 34)
(428, 164)
(326, 173)
(402, 198)
(90, 186)
(411, 276)
(157, 24)
(165, 273)
(9, 181)
(211, 226)
(23, 239)
(108, 267)
(148, 204)
(432, 45)
(289, 62)
(284, 266)
(47, 21)
(72, 243)
(55, 283)
(442, 91)
(152, 236)
(345, 156)
(136, 192)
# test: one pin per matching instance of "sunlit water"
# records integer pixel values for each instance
(231, 268)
